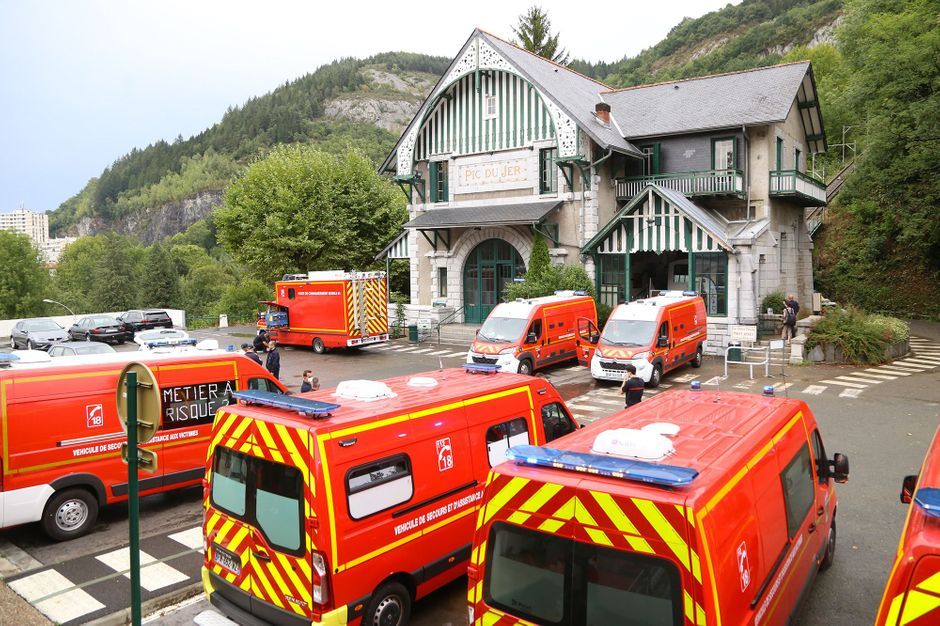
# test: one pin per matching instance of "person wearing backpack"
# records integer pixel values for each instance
(790, 308)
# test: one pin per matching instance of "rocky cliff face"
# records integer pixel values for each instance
(389, 100)
(155, 223)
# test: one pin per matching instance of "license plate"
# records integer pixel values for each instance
(227, 560)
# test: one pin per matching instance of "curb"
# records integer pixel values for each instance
(122, 617)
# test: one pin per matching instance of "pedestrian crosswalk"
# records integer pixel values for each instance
(92, 586)
(405, 348)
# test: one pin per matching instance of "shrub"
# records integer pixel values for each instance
(861, 337)
(552, 279)
(603, 313)
(893, 328)
(772, 301)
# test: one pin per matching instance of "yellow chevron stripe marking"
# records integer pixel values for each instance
(237, 538)
(917, 605)
(240, 427)
(599, 537)
(269, 442)
(700, 619)
(223, 531)
(505, 494)
(573, 509)
(551, 525)
(260, 574)
(288, 444)
(489, 618)
(246, 584)
(688, 606)
(711, 572)
(895, 608)
(482, 555)
(545, 493)
(696, 565)
(665, 530)
(639, 544)
(931, 584)
(213, 520)
(518, 518)
(615, 513)
(287, 566)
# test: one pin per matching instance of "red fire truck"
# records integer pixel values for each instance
(332, 309)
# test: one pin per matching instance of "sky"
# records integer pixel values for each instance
(82, 82)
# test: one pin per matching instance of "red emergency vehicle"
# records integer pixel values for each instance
(61, 438)
(348, 504)
(690, 508)
(912, 595)
(529, 334)
(332, 309)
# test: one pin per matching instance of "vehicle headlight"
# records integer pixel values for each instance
(509, 350)
(641, 355)
(599, 353)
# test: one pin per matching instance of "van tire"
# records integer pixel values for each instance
(830, 555)
(69, 514)
(525, 367)
(656, 377)
(390, 606)
(318, 346)
(697, 360)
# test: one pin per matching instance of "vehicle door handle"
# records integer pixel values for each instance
(264, 557)
(812, 528)
(820, 511)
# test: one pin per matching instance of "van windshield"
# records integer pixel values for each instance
(628, 332)
(552, 580)
(502, 329)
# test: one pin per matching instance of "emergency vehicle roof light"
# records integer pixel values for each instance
(695, 385)
(768, 391)
(482, 368)
(167, 343)
(642, 471)
(364, 390)
(928, 499)
(313, 408)
(6, 359)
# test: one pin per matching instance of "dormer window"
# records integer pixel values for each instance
(490, 108)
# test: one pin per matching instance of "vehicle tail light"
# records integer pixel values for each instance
(321, 580)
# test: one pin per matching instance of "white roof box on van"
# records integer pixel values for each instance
(649, 443)
(363, 390)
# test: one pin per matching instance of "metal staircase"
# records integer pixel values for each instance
(815, 216)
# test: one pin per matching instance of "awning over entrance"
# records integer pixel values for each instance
(660, 220)
(398, 249)
(491, 215)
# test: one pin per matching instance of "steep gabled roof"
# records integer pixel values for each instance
(750, 97)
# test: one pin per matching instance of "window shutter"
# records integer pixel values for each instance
(443, 172)
(433, 174)
(655, 160)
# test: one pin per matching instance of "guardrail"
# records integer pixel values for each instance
(750, 364)
(707, 182)
(794, 182)
(447, 320)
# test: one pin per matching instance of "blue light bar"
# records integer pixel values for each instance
(169, 343)
(484, 368)
(768, 391)
(303, 406)
(642, 471)
(928, 498)
(695, 385)
(7, 358)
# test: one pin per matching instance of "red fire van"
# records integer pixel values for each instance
(348, 504)
(912, 595)
(526, 335)
(332, 309)
(61, 438)
(691, 508)
(656, 335)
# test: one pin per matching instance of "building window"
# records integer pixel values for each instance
(779, 153)
(711, 281)
(796, 159)
(651, 162)
(442, 282)
(490, 107)
(613, 279)
(548, 172)
(780, 254)
(723, 156)
(438, 174)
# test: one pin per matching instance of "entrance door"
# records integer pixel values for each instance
(489, 268)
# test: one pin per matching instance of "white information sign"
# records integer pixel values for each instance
(777, 344)
(493, 175)
(744, 333)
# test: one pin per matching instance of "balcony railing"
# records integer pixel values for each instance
(707, 183)
(804, 189)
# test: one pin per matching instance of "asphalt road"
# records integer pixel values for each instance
(885, 431)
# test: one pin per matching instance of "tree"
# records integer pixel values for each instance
(160, 277)
(203, 288)
(24, 281)
(100, 273)
(534, 31)
(539, 259)
(240, 300)
(300, 209)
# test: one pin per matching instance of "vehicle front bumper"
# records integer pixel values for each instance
(506, 362)
(604, 368)
(44, 344)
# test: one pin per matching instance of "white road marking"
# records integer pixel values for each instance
(456, 354)
(62, 607)
(406, 349)
(684, 378)
(422, 351)
(815, 390)
(884, 369)
(439, 352)
(191, 538)
(153, 574)
(850, 393)
(880, 375)
(906, 368)
(212, 618)
(925, 360)
(782, 386)
(715, 380)
(862, 378)
(915, 364)
(844, 384)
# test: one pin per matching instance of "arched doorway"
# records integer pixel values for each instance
(489, 268)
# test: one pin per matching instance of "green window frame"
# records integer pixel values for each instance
(734, 152)
(711, 281)
(796, 159)
(779, 154)
(652, 165)
(548, 172)
(442, 282)
(437, 172)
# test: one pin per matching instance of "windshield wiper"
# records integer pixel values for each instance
(484, 337)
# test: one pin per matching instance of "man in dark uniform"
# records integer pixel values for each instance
(249, 351)
(632, 386)
(272, 362)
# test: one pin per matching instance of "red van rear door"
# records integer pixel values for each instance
(588, 336)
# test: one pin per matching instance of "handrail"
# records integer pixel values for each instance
(688, 174)
(448, 319)
(706, 182)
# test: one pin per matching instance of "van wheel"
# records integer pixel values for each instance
(318, 346)
(830, 555)
(390, 606)
(656, 376)
(697, 361)
(69, 514)
(525, 367)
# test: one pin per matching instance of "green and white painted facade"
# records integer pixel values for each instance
(508, 144)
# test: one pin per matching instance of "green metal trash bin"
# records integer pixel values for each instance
(734, 351)
(413, 333)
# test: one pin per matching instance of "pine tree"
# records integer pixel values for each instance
(534, 31)
(161, 278)
(539, 260)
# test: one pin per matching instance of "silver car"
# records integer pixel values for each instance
(37, 333)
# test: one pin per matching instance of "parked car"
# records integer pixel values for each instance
(137, 320)
(98, 328)
(37, 333)
(77, 348)
(162, 338)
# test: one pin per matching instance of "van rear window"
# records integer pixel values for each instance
(378, 486)
(552, 580)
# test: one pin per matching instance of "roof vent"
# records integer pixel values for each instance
(363, 390)
(424, 382)
(649, 444)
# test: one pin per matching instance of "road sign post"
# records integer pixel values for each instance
(140, 427)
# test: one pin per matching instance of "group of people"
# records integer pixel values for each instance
(267, 345)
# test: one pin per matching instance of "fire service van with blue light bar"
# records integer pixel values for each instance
(656, 335)
(690, 508)
(344, 506)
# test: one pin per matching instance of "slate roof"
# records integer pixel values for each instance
(758, 96)
(489, 215)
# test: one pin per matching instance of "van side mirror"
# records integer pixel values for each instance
(595, 337)
(908, 486)
(839, 468)
(662, 342)
(531, 338)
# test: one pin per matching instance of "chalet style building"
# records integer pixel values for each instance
(696, 184)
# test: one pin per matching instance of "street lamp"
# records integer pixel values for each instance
(51, 301)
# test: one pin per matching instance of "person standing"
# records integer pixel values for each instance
(249, 351)
(790, 308)
(260, 341)
(310, 382)
(632, 386)
(272, 362)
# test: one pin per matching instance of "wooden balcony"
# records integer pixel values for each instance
(706, 183)
(798, 187)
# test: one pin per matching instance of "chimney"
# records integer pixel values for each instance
(602, 112)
